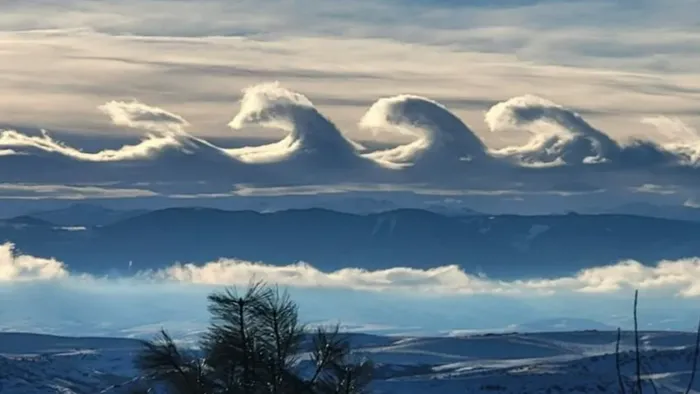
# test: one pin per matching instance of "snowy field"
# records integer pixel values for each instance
(561, 362)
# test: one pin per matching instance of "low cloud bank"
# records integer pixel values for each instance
(679, 278)
(43, 295)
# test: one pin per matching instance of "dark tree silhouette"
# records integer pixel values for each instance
(252, 347)
(638, 359)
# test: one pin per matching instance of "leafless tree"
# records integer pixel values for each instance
(638, 360)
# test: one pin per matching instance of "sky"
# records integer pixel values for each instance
(511, 74)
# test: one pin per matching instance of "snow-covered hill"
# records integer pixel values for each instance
(550, 363)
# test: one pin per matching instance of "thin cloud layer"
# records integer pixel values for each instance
(669, 278)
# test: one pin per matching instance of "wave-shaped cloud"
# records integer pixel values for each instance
(168, 152)
(441, 136)
(561, 136)
(679, 278)
(310, 133)
(19, 144)
(313, 146)
(168, 133)
(168, 125)
(137, 115)
(686, 140)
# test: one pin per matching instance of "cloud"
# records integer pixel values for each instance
(681, 278)
(465, 55)
(310, 134)
(138, 115)
(67, 192)
(562, 137)
(655, 189)
(175, 297)
(16, 267)
(676, 278)
(447, 157)
(441, 136)
(45, 146)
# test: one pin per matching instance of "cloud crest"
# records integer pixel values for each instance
(446, 153)
(441, 136)
(309, 133)
(560, 136)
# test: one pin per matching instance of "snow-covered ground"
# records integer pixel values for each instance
(550, 363)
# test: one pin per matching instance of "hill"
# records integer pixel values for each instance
(564, 362)
(501, 246)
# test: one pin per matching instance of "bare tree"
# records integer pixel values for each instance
(638, 361)
(252, 347)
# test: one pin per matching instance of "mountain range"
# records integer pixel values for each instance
(500, 246)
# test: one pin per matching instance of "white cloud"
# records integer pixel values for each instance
(671, 277)
(248, 190)
(67, 192)
(139, 115)
(15, 267)
(655, 189)
(355, 53)
(308, 131)
(44, 145)
(194, 59)
(674, 278)
(440, 135)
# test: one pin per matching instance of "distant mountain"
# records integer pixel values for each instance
(82, 214)
(88, 214)
(503, 246)
(676, 212)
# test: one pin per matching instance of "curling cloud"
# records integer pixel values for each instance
(309, 132)
(47, 147)
(141, 116)
(167, 129)
(686, 140)
(167, 126)
(442, 136)
(166, 154)
(562, 137)
(169, 154)
(559, 136)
